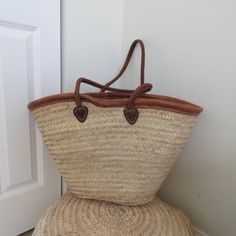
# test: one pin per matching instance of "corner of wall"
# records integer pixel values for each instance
(198, 232)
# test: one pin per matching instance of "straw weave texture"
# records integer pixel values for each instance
(71, 216)
(106, 158)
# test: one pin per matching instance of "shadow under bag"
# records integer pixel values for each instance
(115, 145)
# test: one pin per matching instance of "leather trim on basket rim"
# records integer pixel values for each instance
(120, 100)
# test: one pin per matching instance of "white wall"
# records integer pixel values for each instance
(191, 54)
(91, 40)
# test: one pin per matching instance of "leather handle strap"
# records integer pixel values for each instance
(143, 88)
(129, 55)
(130, 112)
(97, 85)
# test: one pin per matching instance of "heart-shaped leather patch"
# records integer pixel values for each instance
(81, 113)
(131, 115)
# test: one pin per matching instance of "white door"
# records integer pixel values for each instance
(29, 69)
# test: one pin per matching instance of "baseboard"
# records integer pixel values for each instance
(199, 232)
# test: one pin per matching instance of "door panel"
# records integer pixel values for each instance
(17, 59)
(29, 69)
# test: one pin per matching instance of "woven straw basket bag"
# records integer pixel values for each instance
(70, 216)
(117, 146)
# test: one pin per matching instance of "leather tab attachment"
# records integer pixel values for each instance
(81, 113)
(131, 115)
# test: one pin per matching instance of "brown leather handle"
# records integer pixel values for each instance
(129, 55)
(94, 84)
(130, 112)
(141, 89)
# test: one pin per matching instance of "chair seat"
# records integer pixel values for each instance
(71, 216)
